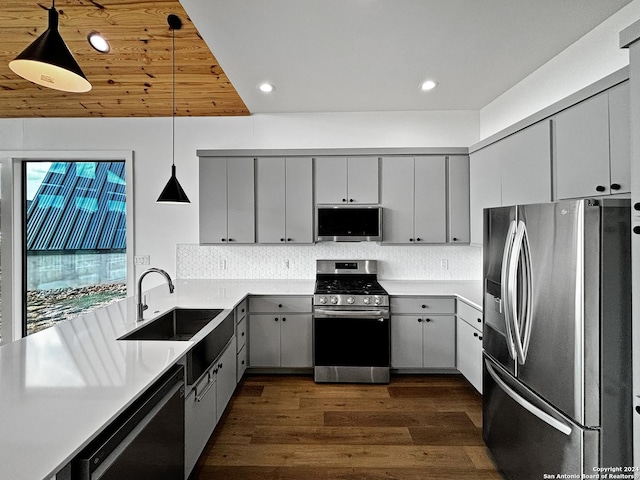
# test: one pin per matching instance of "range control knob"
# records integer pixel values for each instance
(378, 301)
(323, 300)
(350, 300)
(334, 300)
(366, 300)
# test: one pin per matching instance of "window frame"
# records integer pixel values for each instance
(11, 222)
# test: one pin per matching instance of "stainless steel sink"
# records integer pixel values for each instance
(176, 324)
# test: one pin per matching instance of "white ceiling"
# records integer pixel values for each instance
(371, 55)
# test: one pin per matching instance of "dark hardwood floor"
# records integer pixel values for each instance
(288, 427)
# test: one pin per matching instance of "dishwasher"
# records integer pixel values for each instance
(146, 441)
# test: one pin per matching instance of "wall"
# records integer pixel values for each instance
(159, 228)
(394, 262)
(594, 56)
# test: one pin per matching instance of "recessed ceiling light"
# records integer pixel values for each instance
(428, 85)
(98, 42)
(266, 87)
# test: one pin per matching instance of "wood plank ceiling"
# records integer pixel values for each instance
(133, 80)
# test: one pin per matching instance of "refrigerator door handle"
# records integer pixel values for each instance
(521, 298)
(528, 406)
(505, 287)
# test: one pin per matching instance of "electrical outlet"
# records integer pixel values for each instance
(286, 264)
(444, 264)
(222, 264)
(141, 260)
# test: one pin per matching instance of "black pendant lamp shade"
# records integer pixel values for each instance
(173, 192)
(49, 62)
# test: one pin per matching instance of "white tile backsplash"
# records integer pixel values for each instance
(287, 262)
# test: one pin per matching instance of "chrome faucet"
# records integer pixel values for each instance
(142, 306)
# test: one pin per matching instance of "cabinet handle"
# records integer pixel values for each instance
(424, 306)
(344, 200)
(279, 305)
(615, 186)
(242, 310)
(276, 319)
(480, 337)
(455, 239)
(220, 365)
(411, 239)
(427, 319)
(289, 239)
(351, 200)
(418, 239)
(475, 334)
(636, 206)
(479, 320)
(231, 240)
(419, 320)
(284, 319)
(242, 362)
(223, 239)
(636, 230)
(282, 239)
(600, 188)
(637, 409)
(242, 334)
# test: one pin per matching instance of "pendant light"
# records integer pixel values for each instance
(49, 62)
(173, 192)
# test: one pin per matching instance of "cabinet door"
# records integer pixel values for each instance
(270, 200)
(581, 135)
(526, 165)
(397, 198)
(299, 200)
(295, 341)
(469, 353)
(213, 200)
(439, 341)
(225, 380)
(620, 138)
(199, 420)
(430, 208)
(362, 180)
(264, 340)
(331, 179)
(484, 188)
(406, 341)
(240, 205)
(458, 196)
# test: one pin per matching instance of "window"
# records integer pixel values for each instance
(74, 239)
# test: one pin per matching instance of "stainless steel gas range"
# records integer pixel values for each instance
(351, 329)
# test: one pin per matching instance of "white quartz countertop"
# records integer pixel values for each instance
(60, 387)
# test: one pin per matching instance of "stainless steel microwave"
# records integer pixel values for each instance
(349, 223)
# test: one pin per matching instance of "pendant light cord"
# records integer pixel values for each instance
(173, 96)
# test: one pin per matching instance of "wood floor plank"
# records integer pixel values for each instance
(332, 435)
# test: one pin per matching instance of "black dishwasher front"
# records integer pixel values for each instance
(146, 441)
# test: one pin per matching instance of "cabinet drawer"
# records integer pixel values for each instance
(241, 310)
(241, 336)
(280, 304)
(470, 314)
(422, 305)
(241, 363)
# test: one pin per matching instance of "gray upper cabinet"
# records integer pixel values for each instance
(227, 200)
(346, 180)
(458, 199)
(414, 199)
(284, 200)
(591, 141)
(485, 189)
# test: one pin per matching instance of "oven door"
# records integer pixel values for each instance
(351, 345)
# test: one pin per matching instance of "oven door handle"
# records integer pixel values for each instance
(323, 313)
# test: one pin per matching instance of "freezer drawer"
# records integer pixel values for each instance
(526, 437)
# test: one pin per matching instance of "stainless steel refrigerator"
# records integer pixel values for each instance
(557, 338)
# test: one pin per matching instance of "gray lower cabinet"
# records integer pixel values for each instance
(280, 332)
(469, 344)
(226, 211)
(284, 200)
(205, 404)
(346, 180)
(423, 333)
(591, 144)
